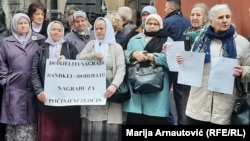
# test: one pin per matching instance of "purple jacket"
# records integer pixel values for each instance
(19, 104)
(77, 41)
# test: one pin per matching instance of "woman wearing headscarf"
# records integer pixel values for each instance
(205, 107)
(19, 100)
(147, 10)
(103, 122)
(152, 108)
(81, 32)
(54, 123)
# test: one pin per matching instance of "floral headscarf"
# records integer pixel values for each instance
(86, 32)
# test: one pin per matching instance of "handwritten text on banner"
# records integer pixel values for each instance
(75, 82)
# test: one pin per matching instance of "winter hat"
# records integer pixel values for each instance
(155, 17)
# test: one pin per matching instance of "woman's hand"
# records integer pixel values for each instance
(139, 56)
(99, 56)
(41, 97)
(238, 71)
(110, 91)
(179, 59)
(61, 57)
(164, 47)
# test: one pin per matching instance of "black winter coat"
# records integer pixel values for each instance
(39, 67)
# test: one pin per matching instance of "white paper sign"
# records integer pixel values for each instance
(221, 77)
(191, 70)
(75, 82)
(173, 49)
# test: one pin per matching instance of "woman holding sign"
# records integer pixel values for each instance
(54, 123)
(103, 122)
(206, 107)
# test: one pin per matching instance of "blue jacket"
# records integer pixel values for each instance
(175, 23)
(155, 104)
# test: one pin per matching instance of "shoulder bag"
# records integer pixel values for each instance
(241, 109)
(145, 77)
(122, 93)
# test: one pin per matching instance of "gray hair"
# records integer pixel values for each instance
(125, 12)
(217, 8)
(71, 9)
(204, 10)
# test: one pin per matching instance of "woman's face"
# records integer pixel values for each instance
(56, 32)
(222, 21)
(38, 16)
(23, 26)
(81, 23)
(100, 29)
(144, 17)
(152, 25)
(196, 17)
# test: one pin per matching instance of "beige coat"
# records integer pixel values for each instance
(215, 107)
(112, 112)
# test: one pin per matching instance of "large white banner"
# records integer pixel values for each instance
(75, 82)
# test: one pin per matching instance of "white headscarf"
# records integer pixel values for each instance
(23, 39)
(54, 45)
(102, 46)
(49, 39)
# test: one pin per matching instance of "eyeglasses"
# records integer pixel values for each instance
(150, 24)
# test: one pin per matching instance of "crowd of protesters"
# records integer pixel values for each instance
(116, 40)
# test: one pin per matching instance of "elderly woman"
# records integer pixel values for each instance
(37, 13)
(54, 123)
(81, 32)
(139, 106)
(147, 10)
(199, 23)
(19, 105)
(103, 122)
(220, 40)
(116, 21)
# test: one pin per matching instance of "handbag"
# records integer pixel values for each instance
(241, 109)
(145, 77)
(122, 93)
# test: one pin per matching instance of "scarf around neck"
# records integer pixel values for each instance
(228, 46)
(159, 38)
(191, 34)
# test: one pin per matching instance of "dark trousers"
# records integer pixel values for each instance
(191, 121)
(141, 119)
(2, 126)
(178, 94)
(2, 131)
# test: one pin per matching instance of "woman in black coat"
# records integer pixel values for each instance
(52, 121)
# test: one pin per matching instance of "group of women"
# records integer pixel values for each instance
(23, 59)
